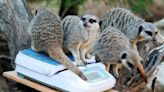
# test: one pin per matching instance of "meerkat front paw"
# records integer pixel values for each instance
(116, 69)
(84, 62)
(107, 66)
(81, 75)
(80, 63)
(88, 55)
(33, 48)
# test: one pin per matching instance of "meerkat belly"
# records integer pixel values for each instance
(86, 45)
(89, 43)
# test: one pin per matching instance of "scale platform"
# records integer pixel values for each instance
(39, 67)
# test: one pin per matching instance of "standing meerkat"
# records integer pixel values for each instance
(113, 47)
(80, 35)
(47, 36)
(135, 28)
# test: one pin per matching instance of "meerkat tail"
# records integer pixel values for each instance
(59, 55)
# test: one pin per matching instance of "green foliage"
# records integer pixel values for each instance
(69, 3)
(139, 6)
(53, 4)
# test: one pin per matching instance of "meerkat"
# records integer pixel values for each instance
(47, 36)
(113, 47)
(135, 28)
(80, 35)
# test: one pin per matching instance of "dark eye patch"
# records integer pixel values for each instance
(156, 33)
(149, 33)
(124, 55)
(92, 21)
(139, 30)
(130, 65)
(83, 19)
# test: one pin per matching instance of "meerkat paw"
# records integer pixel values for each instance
(81, 75)
(107, 66)
(33, 48)
(80, 63)
(85, 62)
(116, 69)
(88, 55)
(115, 73)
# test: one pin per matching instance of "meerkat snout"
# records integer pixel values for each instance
(112, 47)
(131, 59)
(128, 64)
(90, 22)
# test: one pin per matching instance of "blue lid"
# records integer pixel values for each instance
(42, 57)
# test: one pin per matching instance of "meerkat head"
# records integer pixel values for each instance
(131, 59)
(90, 22)
(148, 31)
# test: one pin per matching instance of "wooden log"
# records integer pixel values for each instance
(12, 75)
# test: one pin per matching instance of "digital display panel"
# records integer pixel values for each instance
(93, 75)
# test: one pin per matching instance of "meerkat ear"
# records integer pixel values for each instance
(36, 12)
(124, 55)
(140, 29)
(100, 22)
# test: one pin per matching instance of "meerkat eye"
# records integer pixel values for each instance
(149, 33)
(92, 21)
(83, 19)
(156, 32)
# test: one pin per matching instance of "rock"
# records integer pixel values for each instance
(15, 16)
(160, 24)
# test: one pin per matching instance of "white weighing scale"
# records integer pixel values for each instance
(41, 68)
